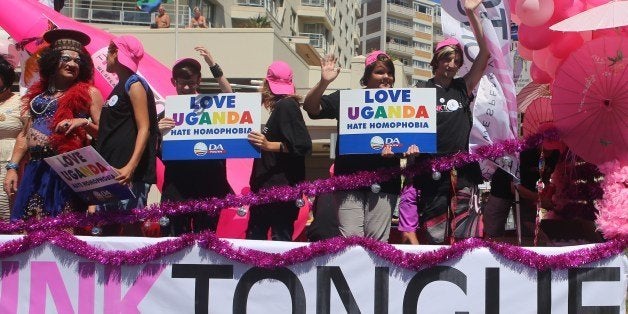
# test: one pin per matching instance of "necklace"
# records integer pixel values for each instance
(45, 108)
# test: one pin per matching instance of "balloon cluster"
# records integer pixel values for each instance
(547, 49)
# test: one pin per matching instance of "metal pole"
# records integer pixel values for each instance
(518, 216)
(176, 29)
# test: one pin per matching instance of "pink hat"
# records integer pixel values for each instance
(186, 61)
(130, 51)
(451, 41)
(279, 78)
(372, 57)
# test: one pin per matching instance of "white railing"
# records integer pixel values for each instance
(401, 48)
(316, 40)
(403, 10)
(406, 30)
(252, 3)
(124, 13)
(313, 3)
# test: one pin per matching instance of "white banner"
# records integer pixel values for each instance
(495, 106)
(194, 280)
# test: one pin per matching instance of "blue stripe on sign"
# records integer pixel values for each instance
(106, 194)
(372, 143)
(208, 149)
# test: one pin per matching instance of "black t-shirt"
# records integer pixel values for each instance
(453, 117)
(349, 164)
(500, 184)
(117, 131)
(529, 168)
(285, 124)
(453, 127)
(193, 179)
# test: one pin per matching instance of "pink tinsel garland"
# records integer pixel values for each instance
(399, 258)
(212, 206)
(612, 218)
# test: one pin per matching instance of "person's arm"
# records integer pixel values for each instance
(329, 72)
(202, 22)
(223, 83)
(94, 112)
(19, 150)
(472, 78)
(166, 22)
(139, 102)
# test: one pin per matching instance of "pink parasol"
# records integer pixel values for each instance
(590, 100)
(530, 93)
(610, 15)
(538, 116)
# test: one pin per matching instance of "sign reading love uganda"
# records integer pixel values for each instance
(371, 119)
(212, 126)
(89, 175)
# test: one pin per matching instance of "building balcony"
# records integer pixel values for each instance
(400, 49)
(400, 29)
(317, 41)
(316, 11)
(408, 70)
(122, 13)
(401, 11)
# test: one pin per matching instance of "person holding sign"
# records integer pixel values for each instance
(59, 108)
(128, 135)
(365, 212)
(454, 122)
(284, 143)
(193, 179)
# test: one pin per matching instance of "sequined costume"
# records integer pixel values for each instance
(41, 191)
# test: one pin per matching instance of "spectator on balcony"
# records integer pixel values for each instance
(162, 20)
(198, 20)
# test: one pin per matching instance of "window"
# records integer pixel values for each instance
(395, 21)
(399, 40)
(422, 46)
(422, 28)
(421, 64)
(422, 8)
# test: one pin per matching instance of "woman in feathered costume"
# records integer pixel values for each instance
(62, 109)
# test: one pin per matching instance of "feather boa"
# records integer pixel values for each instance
(73, 102)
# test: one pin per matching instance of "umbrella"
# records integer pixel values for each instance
(590, 100)
(610, 15)
(531, 92)
(538, 116)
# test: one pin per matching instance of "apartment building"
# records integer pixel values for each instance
(402, 28)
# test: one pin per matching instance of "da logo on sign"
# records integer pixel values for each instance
(377, 142)
(216, 149)
(200, 149)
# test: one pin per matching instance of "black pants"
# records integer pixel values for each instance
(278, 217)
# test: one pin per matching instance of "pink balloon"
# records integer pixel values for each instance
(524, 52)
(551, 65)
(565, 44)
(534, 12)
(560, 8)
(536, 37)
(576, 7)
(539, 57)
(539, 76)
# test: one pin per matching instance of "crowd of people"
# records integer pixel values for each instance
(64, 111)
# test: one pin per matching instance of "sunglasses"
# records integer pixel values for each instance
(190, 83)
(67, 59)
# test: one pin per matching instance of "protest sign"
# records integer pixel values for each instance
(89, 175)
(212, 126)
(369, 119)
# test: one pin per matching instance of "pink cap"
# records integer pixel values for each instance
(372, 57)
(186, 61)
(130, 51)
(279, 78)
(451, 41)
